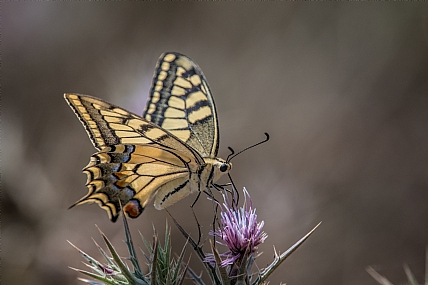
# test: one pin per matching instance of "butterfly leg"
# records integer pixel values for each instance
(216, 203)
(235, 196)
(197, 198)
(199, 226)
(196, 219)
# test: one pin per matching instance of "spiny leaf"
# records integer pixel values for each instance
(179, 261)
(95, 276)
(279, 259)
(86, 256)
(108, 258)
(195, 278)
(133, 256)
(154, 261)
(91, 281)
(122, 266)
(410, 277)
(181, 277)
(376, 276)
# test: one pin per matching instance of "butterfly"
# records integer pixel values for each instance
(168, 153)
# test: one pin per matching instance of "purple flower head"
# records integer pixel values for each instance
(239, 231)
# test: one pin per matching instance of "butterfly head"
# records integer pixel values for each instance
(220, 167)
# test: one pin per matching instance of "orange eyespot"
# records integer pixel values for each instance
(133, 209)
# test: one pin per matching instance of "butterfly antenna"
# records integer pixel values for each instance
(233, 154)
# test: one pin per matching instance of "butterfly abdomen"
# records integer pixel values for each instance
(200, 180)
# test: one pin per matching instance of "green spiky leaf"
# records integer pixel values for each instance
(264, 274)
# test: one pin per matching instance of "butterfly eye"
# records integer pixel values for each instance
(223, 167)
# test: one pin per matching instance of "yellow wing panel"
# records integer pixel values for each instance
(181, 102)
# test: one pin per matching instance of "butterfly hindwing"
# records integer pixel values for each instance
(181, 102)
(116, 175)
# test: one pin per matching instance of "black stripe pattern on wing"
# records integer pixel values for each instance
(181, 102)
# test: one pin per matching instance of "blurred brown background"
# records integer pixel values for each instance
(342, 88)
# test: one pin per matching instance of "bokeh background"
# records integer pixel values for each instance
(342, 88)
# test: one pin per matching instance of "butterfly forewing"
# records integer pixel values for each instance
(181, 102)
(109, 125)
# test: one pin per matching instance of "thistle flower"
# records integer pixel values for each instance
(239, 231)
